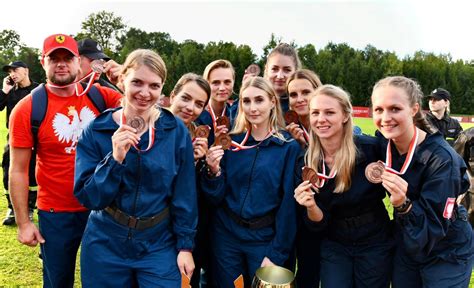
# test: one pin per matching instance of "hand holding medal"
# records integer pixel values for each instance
(200, 144)
(304, 194)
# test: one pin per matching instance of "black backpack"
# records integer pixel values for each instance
(39, 105)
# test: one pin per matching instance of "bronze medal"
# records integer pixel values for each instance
(310, 175)
(136, 122)
(223, 120)
(253, 70)
(97, 66)
(202, 131)
(291, 117)
(223, 140)
(374, 172)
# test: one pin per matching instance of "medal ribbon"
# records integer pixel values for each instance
(213, 115)
(305, 133)
(241, 145)
(151, 132)
(411, 152)
(323, 177)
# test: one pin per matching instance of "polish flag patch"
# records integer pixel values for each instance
(448, 208)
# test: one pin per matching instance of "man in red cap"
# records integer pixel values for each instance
(15, 87)
(61, 218)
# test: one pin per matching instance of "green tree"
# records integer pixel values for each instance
(105, 28)
(9, 45)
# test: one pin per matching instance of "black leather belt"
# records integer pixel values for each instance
(255, 223)
(357, 221)
(136, 222)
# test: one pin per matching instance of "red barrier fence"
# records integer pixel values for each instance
(364, 112)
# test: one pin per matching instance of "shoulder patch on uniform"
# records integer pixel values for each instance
(448, 208)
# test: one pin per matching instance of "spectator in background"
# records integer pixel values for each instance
(90, 50)
(15, 87)
(439, 117)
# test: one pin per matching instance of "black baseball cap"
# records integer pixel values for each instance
(13, 65)
(440, 93)
(91, 49)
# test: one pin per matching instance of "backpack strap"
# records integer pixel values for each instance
(39, 105)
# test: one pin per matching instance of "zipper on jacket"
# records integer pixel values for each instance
(134, 207)
(250, 180)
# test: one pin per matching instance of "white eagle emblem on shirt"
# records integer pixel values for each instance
(68, 130)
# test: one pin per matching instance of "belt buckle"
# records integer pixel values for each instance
(132, 222)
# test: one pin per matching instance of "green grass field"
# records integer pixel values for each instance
(20, 265)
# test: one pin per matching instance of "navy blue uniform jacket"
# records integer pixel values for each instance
(436, 173)
(362, 197)
(255, 183)
(146, 182)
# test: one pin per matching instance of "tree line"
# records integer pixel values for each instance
(353, 69)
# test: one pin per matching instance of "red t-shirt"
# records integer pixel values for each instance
(64, 121)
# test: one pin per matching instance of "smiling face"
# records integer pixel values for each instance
(327, 117)
(189, 102)
(142, 89)
(299, 91)
(257, 105)
(278, 69)
(392, 113)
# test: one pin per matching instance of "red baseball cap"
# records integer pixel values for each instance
(58, 41)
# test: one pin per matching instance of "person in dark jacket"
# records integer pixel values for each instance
(281, 63)
(255, 221)
(357, 247)
(438, 117)
(424, 176)
(301, 85)
(90, 51)
(137, 176)
(220, 75)
(188, 99)
(15, 87)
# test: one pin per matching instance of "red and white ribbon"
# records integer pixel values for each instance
(323, 177)
(241, 145)
(411, 152)
(213, 115)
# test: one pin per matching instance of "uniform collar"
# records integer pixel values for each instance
(105, 121)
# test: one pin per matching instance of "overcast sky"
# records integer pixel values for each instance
(400, 26)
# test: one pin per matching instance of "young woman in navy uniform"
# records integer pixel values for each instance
(188, 99)
(357, 247)
(301, 85)
(220, 75)
(255, 222)
(424, 176)
(139, 183)
(282, 62)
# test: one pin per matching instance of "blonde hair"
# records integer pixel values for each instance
(153, 61)
(345, 158)
(276, 117)
(415, 95)
(220, 63)
(305, 74)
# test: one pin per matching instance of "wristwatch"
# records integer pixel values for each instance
(401, 209)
